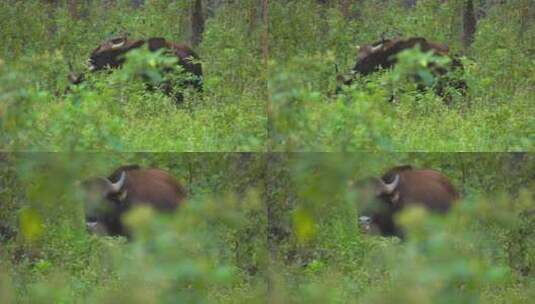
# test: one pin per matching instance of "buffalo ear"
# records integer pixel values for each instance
(395, 198)
(156, 43)
(122, 195)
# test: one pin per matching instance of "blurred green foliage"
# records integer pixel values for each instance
(281, 227)
(274, 227)
(496, 115)
(481, 252)
(212, 250)
(117, 113)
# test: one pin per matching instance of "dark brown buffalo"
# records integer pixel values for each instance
(128, 186)
(383, 55)
(111, 54)
(400, 187)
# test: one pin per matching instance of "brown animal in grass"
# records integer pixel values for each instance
(383, 55)
(129, 186)
(399, 188)
(110, 54)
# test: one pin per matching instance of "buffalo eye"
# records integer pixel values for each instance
(117, 40)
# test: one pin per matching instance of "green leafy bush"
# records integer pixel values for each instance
(212, 248)
(479, 253)
(115, 112)
(495, 115)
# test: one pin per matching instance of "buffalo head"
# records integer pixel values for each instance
(111, 53)
(107, 199)
(382, 198)
(103, 204)
(383, 55)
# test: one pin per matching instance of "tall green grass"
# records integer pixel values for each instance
(211, 250)
(116, 113)
(496, 115)
(481, 252)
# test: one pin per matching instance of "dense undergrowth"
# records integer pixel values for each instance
(115, 112)
(306, 114)
(279, 228)
(211, 250)
(482, 252)
(265, 227)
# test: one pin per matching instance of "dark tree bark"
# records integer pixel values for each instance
(265, 34)
(409, 3)
(197, 23)
(84, 8)
(527, 18)
(324, 28)
(50, 7)
(253, 17)
(469, 24)
(483, 6)
(270, 213)
(51, 2)
(211, 6)
(73, 9)
(345, 8)
(109, 4)
(481, 10)
(276, 179)
(137, 3)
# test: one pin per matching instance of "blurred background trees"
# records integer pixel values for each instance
(45, 37)
(215, 246)
(480, 253)
(277, 226)
(308, 50)
(280, 226)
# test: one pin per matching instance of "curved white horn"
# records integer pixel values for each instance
(116, 187)
(376, 48)
(389, 188)
(119, 44)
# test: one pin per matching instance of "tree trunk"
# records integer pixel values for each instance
(276, 179)
(527, 16)
(210, 7)
(322, 13)
(197, 23)
(108, 4)
(253, 17)
(50, 7)
(270, 213)
(137, 3)
(409, 3)
(345, 8)
(73, 9)
(265, 34)
(469, 24)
